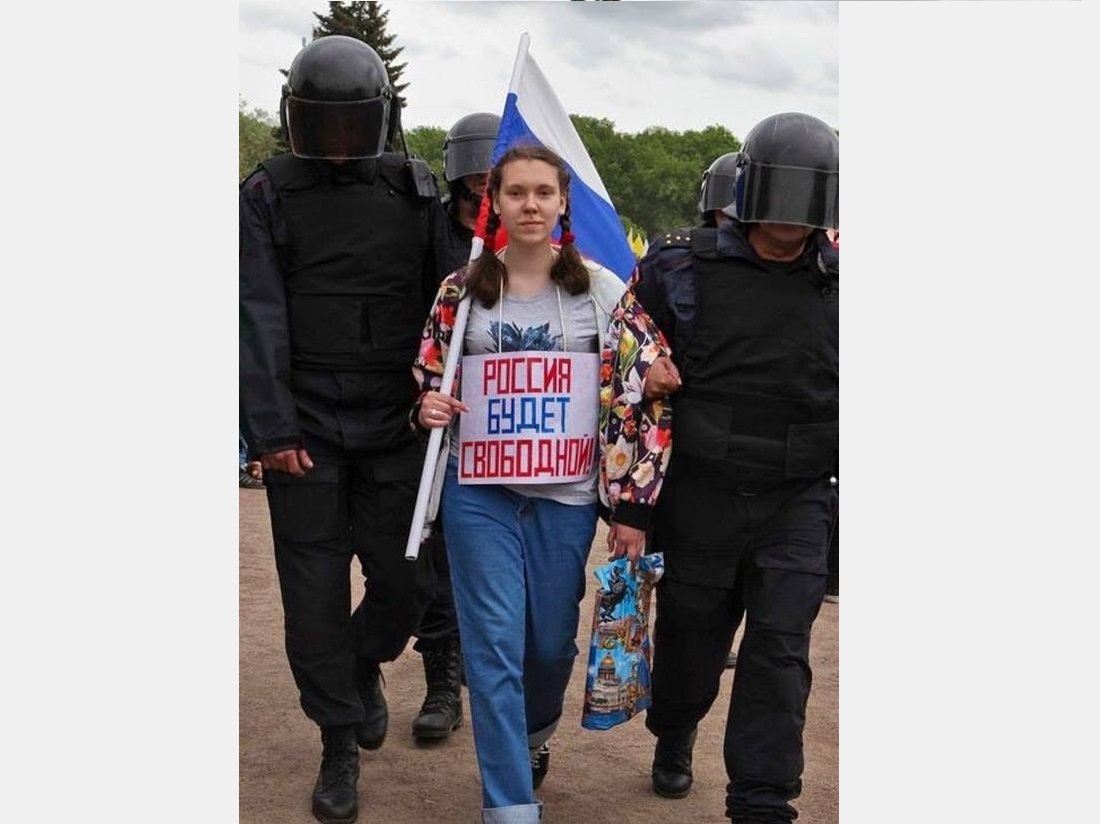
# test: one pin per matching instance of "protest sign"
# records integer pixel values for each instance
(532, 417)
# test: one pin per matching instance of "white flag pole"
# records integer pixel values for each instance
(421, 527)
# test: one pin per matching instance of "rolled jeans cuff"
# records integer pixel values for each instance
(514, 814)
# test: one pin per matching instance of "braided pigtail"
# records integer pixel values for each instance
(485, 274)
(492, 223)
(569, 270)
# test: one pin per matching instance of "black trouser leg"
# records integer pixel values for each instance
(768, 550)
(763, 743)
(439, 626)
(312, 557)
(692, 635)
(383, 495)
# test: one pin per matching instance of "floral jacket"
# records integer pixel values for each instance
(635, 434)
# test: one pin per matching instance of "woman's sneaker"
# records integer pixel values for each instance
(540, 764)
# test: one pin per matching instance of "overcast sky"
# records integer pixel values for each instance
(681, 65)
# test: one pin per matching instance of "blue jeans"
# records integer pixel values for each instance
(517, 568)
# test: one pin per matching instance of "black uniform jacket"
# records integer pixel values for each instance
(665, 285)
(282, 395)
(756, 343)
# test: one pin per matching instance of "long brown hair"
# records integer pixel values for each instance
(486, 273)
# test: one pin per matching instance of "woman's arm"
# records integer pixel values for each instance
(435, 341)
(635, 431)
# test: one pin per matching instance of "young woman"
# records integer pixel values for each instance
(518, 549)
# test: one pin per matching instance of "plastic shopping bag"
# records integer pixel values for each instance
(618, 684)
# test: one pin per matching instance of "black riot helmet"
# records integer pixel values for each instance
(716, 191)
(468, 149)
(788, 171)
(336, 100)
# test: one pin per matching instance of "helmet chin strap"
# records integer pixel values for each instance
(400, 129)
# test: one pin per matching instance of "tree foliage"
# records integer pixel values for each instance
(427, 142)
(366, 22)
(256, 138)
(653, 176)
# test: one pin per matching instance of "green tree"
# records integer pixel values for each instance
(366, 22)
(606, 148)
(653, 177)
(255, 138)
(426, 142)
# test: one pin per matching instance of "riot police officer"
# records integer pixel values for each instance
(337, 271)
(717, 189)
(745, 515)
(467, 158)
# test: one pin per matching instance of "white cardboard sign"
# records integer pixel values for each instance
(532, 417)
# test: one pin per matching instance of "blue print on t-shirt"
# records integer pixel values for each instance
(531, 339)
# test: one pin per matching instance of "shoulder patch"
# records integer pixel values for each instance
(678, 238)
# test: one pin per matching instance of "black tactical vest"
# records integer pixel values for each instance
(760, 400)
(353, 268)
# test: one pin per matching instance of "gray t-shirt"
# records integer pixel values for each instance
(535, 324)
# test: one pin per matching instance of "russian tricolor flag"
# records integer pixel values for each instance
(533, 114)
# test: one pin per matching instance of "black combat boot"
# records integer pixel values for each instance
(540, 765)
(672, 765)
(441, 711)
(371, 732)
(335, 797)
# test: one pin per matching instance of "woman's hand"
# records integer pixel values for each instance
(625, 540)
(437, 409)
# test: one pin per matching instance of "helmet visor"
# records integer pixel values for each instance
(717, 192)
(790, 194)
(341, 130)
(468, 157)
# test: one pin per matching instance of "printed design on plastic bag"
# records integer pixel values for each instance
(619, 656)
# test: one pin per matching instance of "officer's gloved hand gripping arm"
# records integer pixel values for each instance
(267, 406)
(637, 421)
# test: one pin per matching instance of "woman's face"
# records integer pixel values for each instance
(529, 201)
